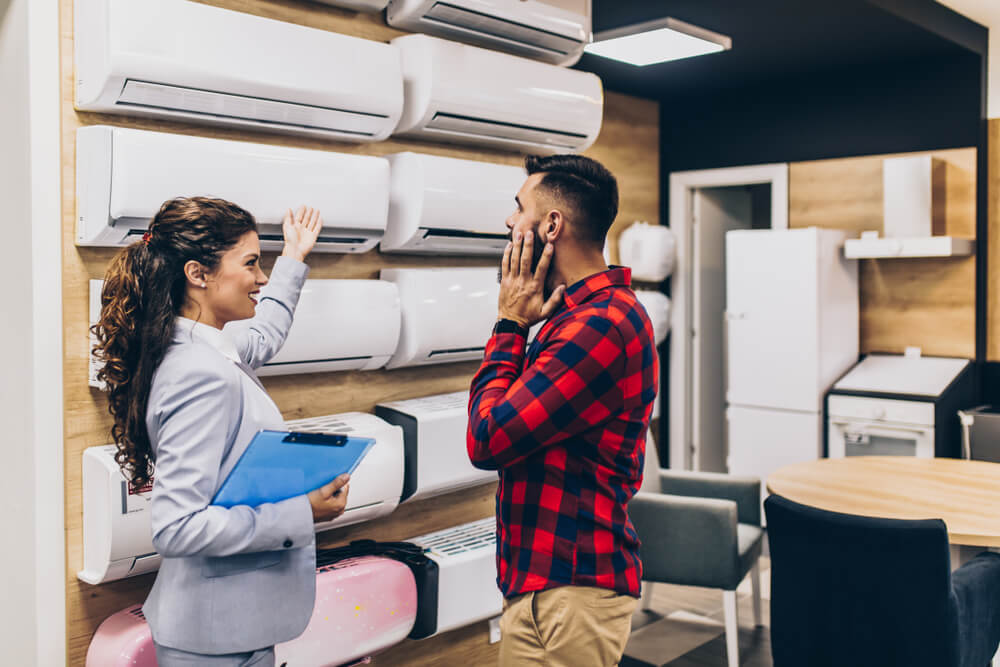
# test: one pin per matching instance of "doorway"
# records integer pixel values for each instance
(704, 205)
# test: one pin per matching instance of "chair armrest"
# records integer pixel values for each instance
(687, 541)
(744, 491)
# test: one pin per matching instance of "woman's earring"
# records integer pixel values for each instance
(204, 285)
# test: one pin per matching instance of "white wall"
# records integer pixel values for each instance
(987, 13)
(18, 611)
(32, 611)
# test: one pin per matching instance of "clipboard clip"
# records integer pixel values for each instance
(324, 439)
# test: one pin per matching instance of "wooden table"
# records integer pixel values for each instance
(965, 494)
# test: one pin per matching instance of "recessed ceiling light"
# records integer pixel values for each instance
(656, 42)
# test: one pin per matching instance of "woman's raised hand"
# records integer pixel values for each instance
(301, 230)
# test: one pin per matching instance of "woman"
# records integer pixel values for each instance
(236, 581)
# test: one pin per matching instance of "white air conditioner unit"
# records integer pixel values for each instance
(467, 574)
(187, 60)
(117, 537)
(461, 93)
(434, 430)
(447, 314)
(444, 205)
(339, 325)
(94, 310)
(117, 541)
(123, 176)
(555, 32)
(377, 482)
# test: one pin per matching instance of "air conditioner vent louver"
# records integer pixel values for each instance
(503, 29)
(137, 612)
(327, 424)
(473, 536)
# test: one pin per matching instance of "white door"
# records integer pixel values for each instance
(716, 211)
(761, 441)
(773, 323)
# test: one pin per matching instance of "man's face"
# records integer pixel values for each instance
(527, 217)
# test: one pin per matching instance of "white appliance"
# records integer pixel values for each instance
(117, 542)
(187, 60)
(434, 433)
(892, 405)
(339, 325)
(123, 176)
(94, 311)
(377, 482)
(447, 314)
(792, 320)
(553, 31)
(913, 191)
(465, 94)
(117, 538)
(445, 205)
(467, 573)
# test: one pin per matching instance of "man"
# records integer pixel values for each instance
(564, 422)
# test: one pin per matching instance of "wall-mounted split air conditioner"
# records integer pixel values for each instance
(377, 483)
(445, 205)
(368, 604)
(434, 436)
(447, 314)
(124, 175)
(339, 325)
(117, 539)
(467, 585)
(555, 32)
(461, 93)
(190, 61)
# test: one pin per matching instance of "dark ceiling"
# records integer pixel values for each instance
(773, 40)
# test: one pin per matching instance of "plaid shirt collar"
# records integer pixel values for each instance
(582, 290)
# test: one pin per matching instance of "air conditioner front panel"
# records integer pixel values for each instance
(345, 324)
(190, 60)
(377, 482)
(554, 32)
(481, 96)
(447, 314)
(144, 169)
(440, 204)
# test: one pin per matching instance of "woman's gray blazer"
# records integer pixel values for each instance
(234, 579)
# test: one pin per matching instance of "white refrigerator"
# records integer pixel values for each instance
(791, 332)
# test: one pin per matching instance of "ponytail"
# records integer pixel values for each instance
(144, 291)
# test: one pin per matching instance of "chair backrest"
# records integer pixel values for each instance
(859, 591)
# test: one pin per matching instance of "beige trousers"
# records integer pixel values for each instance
(569, 626)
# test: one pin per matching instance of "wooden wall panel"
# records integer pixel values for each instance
(929, 303)
(628, 146)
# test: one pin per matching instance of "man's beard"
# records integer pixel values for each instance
(537, 248)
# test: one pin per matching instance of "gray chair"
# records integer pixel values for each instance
(701, 529)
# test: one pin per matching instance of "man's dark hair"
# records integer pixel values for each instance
(585, 186)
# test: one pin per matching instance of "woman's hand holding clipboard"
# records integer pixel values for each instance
(278, 465)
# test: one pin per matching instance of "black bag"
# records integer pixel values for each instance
(425, 574)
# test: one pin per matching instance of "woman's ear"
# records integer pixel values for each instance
(195, 273)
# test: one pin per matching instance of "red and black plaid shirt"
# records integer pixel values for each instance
(565, 424)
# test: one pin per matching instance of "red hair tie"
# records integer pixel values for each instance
(145, 238)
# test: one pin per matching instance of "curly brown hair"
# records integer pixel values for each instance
(144, 290)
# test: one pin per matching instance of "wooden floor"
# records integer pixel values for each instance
(684, 628)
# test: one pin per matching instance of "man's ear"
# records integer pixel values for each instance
(553, 226)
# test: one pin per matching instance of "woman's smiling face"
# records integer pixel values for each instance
(232, 289)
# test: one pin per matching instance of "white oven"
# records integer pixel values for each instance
(892, 405)
(867, 426)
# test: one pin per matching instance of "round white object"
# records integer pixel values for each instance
(657, 305)
(650, 250)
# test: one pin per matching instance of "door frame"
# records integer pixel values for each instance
(681, 215)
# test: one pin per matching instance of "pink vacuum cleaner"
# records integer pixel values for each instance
(363, 606)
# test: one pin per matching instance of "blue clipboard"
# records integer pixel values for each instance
(278, 465)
